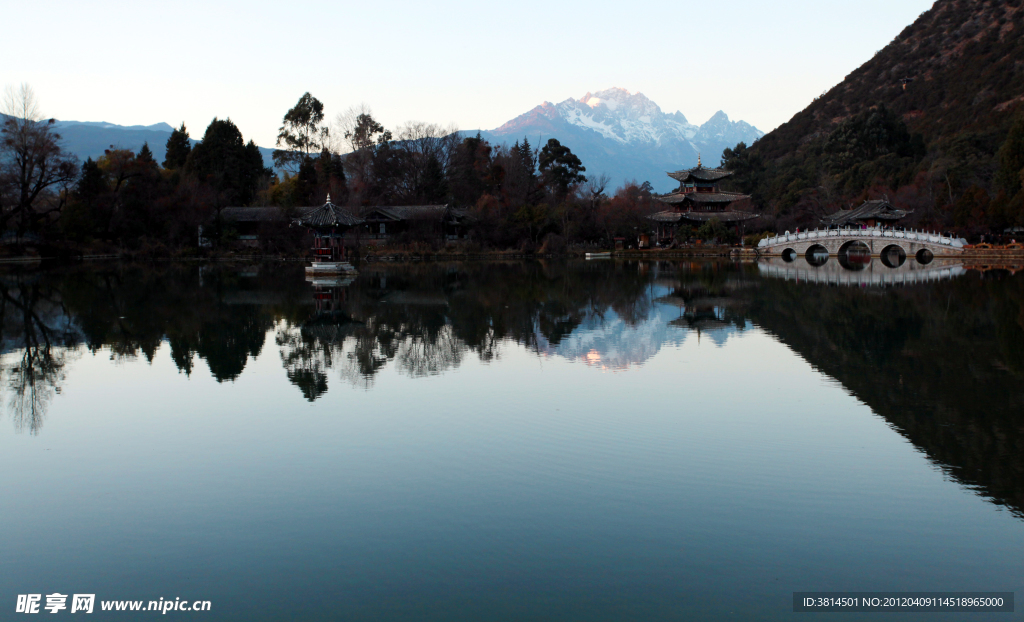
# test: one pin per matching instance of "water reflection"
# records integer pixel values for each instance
(39, 336)
(861, 270)
(941, 358)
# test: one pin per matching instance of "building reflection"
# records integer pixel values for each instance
(941, 357)
(859, 270)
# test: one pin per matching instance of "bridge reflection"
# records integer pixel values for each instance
(859, 272)
(890, 347)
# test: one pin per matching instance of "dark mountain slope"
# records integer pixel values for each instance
(921, 122)
(965, 60)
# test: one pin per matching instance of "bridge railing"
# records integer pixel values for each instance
(910, 235)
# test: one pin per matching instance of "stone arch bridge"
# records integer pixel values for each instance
(876, 239)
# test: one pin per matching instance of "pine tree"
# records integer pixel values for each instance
(560, 168)
(1011, 159)
(433, 188)
(231, 167)
(305, 184)
(178, 148)
(91, 184)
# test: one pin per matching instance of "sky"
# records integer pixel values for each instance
(475, 64)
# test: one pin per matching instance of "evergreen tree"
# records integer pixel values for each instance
(1011, 159)
(471, 174)
(560, 168)
(301, 133)
(178, 148)
(85, 207)
(92, 184)
(331, 177)
(433, 187)
(144, 160)
(139, 196)
(305, 187)
(231, 168)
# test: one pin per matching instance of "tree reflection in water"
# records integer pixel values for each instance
(38, 339)
(942, 362)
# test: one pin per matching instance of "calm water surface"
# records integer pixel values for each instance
(584, 441)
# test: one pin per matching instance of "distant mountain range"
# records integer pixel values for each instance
(626, 135)
(88, 139)
(622, 134)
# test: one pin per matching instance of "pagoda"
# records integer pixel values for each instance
(868, 214)
(698, 200)
(328, 223)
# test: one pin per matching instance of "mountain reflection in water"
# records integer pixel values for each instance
(941, 359)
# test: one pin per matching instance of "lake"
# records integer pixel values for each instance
(506, 441)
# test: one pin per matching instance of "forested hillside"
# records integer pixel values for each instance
(927, 122)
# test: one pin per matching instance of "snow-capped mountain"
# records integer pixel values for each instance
(626, 135)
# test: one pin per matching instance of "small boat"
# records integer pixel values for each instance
(606, 255)
(330, 267)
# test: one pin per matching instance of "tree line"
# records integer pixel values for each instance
(518, 196)
(968, 183)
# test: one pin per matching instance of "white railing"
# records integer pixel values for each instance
(913, 235)
(835, 276)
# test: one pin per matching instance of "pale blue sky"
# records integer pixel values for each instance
(477, 64)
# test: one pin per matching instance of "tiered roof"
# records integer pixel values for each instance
(328, 215)
(879, 209)
(699, 173)
(407, 212)
(701, 198)
(672, 216)
(708, 205)
(252, 214)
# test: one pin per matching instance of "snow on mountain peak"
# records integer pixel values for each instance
(624, 132)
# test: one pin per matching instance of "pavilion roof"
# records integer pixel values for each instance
(673, 216)
(879, 209)
(328, 215)
(676, 198)
(252, 214)
(406, 212)
(699, 173)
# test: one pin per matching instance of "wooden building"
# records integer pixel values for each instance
(328, 224)
(382, 223)
(868, 214)
(698, 199)
(250, 225)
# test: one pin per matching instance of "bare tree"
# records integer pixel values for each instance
(593, 190)
(430, 140)
(41, 338)
(343, 129)
(34, 170)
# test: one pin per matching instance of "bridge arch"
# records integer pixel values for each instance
(788, 255)
(854, 255)
(816, 255)
(924, 256)
(893, 256)
(855, 245)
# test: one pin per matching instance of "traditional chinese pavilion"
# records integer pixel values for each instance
(867, 214)
(328, 223)
(697, 200)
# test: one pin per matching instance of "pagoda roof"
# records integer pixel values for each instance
(328, 215)
(406, 212)
(699, 173)
(673, 216)
(252, 214)
(879, 209)
(702, 198)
